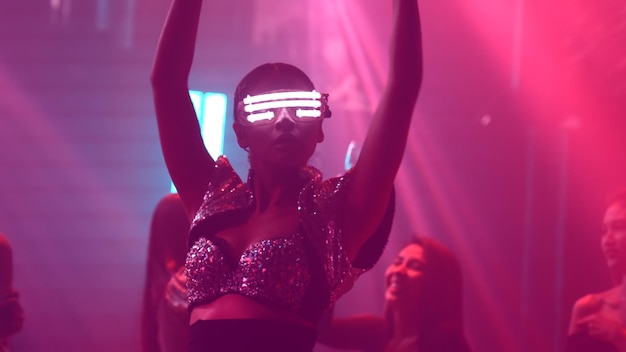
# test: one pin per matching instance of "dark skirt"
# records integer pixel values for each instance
(250, 335)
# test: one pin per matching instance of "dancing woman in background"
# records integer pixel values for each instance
(423, 306)
(598, 321)
(165, 318)
(267, 256)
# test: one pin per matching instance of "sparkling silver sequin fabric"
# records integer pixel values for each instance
(273, 271)
(276, 271)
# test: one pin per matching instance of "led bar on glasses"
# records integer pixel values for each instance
(291, 99)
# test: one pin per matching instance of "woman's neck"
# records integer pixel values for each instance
(405, 324)
(276, 187)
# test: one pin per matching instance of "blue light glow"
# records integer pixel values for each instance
(211, 112)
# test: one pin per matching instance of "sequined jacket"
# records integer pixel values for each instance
(314, 260)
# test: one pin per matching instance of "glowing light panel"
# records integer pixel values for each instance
(211, 112)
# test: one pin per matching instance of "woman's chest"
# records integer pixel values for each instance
(258, 227)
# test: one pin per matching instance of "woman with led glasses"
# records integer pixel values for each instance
(267, 256)
(264, 108)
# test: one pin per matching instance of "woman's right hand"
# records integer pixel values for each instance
(583, 309)
(604, 328)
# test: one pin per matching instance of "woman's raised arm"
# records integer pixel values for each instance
(187, 160)
(385, 142)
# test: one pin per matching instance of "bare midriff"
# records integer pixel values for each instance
(235, 306)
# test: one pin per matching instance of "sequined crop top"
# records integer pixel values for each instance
(302, 272)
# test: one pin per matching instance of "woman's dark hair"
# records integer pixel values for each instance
(440, 304)
(443, 286)
(277, 75)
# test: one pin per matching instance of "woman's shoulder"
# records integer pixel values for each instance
(593, 299)
(592, 302)
(586, 300)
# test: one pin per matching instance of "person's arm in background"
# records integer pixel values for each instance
(361, 332)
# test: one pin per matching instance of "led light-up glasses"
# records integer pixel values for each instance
(304, 105)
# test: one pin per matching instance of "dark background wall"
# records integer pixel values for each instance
(517, 139)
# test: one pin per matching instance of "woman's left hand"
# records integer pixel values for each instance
(11, 315)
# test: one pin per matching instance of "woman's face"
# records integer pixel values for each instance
(286, 140)
(404, 278)
(614, 236)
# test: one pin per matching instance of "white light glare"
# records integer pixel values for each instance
(282, 104)
(281, 96)
(211, 113)
(308, 113)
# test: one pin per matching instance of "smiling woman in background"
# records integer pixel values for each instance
(423, 306)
